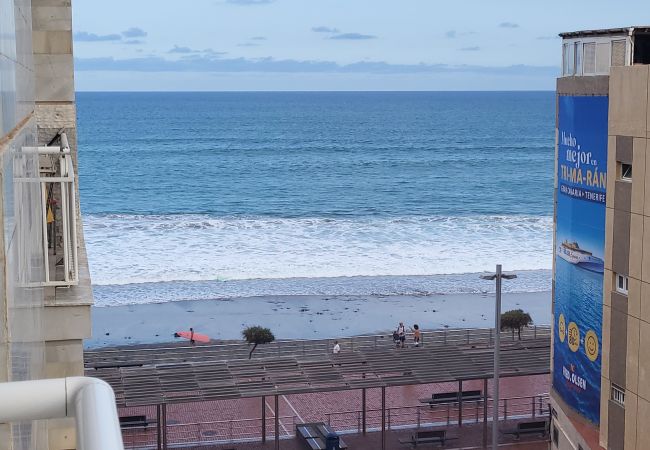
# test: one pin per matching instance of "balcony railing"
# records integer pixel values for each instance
(89, 400)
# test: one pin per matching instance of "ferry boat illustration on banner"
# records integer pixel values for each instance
(571, 252)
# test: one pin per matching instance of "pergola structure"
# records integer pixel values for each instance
(162, 376)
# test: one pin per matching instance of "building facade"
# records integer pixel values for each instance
(601, 295)
(45, 293)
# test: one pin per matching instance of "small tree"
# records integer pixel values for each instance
(515, 320)
(257, 335)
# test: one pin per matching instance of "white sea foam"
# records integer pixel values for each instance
(128, 249)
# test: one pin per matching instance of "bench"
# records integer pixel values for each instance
(134, 422)
(538, 426)
(314, 435)
(427, 437)
(452, 397)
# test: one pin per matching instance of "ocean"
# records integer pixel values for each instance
(191, 196)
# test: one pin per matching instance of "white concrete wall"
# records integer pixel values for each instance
(22, 349)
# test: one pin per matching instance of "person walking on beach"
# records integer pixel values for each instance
(416, 335)
(401, 332)
(337, 348)
(192, 341)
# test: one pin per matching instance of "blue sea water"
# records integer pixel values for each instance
(366, 192)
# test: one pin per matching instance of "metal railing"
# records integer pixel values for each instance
(211, 433)
(438, 415)
(346, 422)
(308, 347)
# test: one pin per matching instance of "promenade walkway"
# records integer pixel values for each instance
(209, 395)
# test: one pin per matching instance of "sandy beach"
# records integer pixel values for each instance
(304, 317)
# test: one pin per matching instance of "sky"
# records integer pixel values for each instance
(280, 45)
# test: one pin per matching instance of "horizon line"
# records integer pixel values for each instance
(234, 91)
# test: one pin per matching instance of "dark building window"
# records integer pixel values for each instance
(556, 436)
(618, 395)
(626, 172)
(622, 284)
(642, 49)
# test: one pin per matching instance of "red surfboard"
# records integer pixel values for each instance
(198, 337)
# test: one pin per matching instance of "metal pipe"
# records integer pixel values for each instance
(65, 147)
(460, 403)
(73, 225)
(46, 248)
(43, 150)
(263, 419)
(485, 411)
(363, 410)
(164, 426)
(158, 425)
(277, 423)
(497, 355)
(383, 418)
(66, 231)
(90, 400)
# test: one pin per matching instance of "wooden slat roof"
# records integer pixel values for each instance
(180, 379)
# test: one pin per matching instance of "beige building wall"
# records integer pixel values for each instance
(22, 349)
(41, 329)
(626, 318)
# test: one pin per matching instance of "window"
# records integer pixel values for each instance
(621, 284)
(589, 60)
(626, 172)
(618, 395)
(578, 58)
(565, 59)
(642, 49)
(571, 60)
(556, 436)
(618, 52)
(602, 58)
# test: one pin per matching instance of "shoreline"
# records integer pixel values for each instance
(304, 316)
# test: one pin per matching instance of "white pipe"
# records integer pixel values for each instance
(90, 400)
(43, 150)
(46, 252)
(64, 143)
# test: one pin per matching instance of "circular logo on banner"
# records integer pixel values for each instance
(574, 337)
(561, 328)
(591, 345)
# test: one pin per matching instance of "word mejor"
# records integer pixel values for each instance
(581, 167)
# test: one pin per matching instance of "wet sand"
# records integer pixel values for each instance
(304, 317)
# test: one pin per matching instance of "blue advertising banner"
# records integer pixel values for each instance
(579, 252)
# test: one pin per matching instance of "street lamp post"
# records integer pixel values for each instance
(498, 276)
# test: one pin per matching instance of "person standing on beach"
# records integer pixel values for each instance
(401, 332)
(192, 341)
(337, 348)
(416, 335)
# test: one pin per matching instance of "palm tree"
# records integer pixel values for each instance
(257, 335)
(515, 320)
